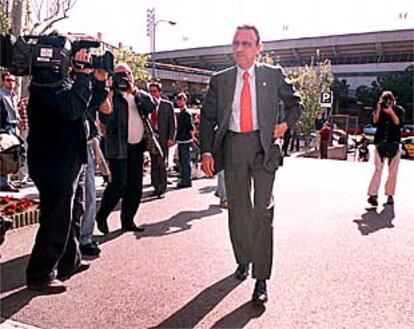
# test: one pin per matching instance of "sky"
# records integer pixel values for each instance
(212, 22)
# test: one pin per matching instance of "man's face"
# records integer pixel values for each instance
(155, 92)
(181, 103)
(9, 82)
(245, 48)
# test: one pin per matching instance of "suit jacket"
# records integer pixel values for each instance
(9, 115)
(166, 122)
(272, 86)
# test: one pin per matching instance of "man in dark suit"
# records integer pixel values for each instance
(163, 123)
(240, 122)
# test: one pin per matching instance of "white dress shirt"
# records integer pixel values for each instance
(135, 124)
(234, 124)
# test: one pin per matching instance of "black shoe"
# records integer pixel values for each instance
(102, 225)
(242, 272)
(390, 200)
(53, 286)
(158, 194)
(260, 292)
(9, 188)
(133, 228)
(180, 185)
(83, 266)
(90, 249)
(373, 200)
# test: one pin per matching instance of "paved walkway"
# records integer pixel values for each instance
(336, 264)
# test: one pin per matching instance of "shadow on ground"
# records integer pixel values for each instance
(178, 223)
(195, 310)
(372, 221)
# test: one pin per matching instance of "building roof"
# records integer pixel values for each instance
(356, 48)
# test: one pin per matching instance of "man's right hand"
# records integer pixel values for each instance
(208, 164)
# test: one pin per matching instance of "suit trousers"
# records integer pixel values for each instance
(126, 184)
(56, 247)
(159, 173)
(250, 221)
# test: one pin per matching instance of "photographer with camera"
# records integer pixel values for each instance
(125, 144)
(388, 118)
(57, 153)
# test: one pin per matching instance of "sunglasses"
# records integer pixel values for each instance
(12, 80)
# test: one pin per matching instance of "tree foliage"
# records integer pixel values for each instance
(401, 84)
(310, 81)
(137, 63)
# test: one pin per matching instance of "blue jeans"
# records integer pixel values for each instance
(185, 163)
(88, 220)
(4, 180)
(221, 186)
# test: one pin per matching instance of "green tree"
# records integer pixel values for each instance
(401, 84)
(310, 81)
(137, 63)
(340, 90)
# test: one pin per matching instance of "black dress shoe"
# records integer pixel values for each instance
(260, 292)
(180, 185)
(133, 228)
(102, 225)
(90, 249)
(157, 194)
(83, 266)
(242, 272)
(53, 286)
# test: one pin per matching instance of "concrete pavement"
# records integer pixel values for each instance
(336, 264)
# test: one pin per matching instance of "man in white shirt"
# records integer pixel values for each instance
(125, 146)
(239, 123)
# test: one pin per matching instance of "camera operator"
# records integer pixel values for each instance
(125, 146)
(56, 155)
(388, 118)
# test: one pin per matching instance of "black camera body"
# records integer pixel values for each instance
(26, 55)
(120, 82)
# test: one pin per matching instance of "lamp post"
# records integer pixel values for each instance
(151, 29)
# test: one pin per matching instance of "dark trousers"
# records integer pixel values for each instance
(185, 163)
(250, 221)
(295, 141)
(323, 149)
(159, 172)
(126, 184)
(56, 246)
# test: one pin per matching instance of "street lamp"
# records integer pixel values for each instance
(154, 26)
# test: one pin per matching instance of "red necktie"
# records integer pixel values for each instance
(154, 118)
(246, 115)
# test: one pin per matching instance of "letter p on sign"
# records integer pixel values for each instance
(326, 99)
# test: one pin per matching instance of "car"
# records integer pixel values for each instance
(369, 129)
(407, 130)
(407, 148)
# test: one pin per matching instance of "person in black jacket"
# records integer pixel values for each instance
(125, 146)
(388, 118)
(185, 131)
(56, 155)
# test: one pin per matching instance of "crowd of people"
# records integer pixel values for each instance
(82, 120)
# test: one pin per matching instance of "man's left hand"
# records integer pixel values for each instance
(279, 130)
(170, 143)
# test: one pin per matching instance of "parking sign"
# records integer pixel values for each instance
(326, 99)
